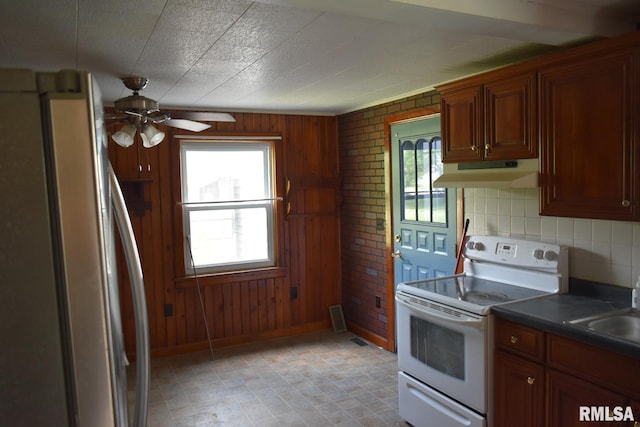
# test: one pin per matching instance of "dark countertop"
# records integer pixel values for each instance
(584, 299)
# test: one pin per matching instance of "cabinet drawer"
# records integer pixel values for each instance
(520, 340)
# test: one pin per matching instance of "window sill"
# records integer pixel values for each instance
(210, 279)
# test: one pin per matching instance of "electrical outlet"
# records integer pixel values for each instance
(377, 302)
(168, 310)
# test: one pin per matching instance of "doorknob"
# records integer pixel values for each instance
(396, 254)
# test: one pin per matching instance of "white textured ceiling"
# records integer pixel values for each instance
(305, 56)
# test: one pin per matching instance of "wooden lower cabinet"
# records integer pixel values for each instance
(635, 406)
(542, 380)
(565, 394)
(519, 391)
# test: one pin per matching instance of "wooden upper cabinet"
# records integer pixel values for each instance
(490, 117)
(510, 118)
(590, 121)
(462, 124)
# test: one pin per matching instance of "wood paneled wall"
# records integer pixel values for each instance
(239, 306)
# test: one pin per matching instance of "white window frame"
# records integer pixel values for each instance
(267, 203)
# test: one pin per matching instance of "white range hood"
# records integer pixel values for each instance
(490, 174)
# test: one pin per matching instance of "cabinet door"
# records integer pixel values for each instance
(461, 116)
(566, 394)
(519, 391)
(510, 118)
(589, 123)
(635, 407)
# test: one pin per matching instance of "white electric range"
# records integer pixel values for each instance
(444, 327)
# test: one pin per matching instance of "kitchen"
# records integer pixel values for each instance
(327, 196)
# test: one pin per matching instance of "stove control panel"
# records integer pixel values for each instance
(516, 252)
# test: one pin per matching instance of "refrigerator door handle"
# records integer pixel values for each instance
(139, 300)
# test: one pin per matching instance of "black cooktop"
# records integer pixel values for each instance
(468, 289)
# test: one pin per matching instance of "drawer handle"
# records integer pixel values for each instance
(514, 339)
(531, 380)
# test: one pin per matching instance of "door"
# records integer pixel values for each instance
(519, 391)
(566, 394)
(582, 139)
(424, 217)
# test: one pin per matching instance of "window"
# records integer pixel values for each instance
(228, 205)
(421, 165)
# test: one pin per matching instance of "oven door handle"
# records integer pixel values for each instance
(478, 323)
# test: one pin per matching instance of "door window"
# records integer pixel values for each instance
(421, 164)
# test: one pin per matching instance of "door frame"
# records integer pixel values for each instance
(394, 119)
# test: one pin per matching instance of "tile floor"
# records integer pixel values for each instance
(318, 379)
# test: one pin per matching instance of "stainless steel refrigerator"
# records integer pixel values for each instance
(62, 357)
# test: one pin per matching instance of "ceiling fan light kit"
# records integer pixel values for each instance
(137, 111)
(151, 136)
(125, 136)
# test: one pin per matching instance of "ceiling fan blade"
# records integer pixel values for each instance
(186, 124)
(205, 116)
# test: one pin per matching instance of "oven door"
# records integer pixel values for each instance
(444, 348)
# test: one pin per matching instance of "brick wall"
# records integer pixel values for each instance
(363, 229)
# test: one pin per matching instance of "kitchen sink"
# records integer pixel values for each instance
(623, 324)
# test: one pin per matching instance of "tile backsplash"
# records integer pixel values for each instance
(599, 250)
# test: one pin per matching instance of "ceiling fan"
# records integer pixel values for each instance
(138, 112)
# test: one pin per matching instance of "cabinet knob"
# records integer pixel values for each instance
(626, 203)
(474, 148)
(514, 339)
(487, 147)
(531, 380)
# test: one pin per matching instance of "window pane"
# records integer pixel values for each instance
(229, 236)
(423, 166)
(439, 194)
(408, 181)
(224, 175)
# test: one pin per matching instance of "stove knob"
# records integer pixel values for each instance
(550, 255)
(470, 245)
(538, 254)
(478, 246)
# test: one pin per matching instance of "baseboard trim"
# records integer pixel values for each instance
(231, 341)
(369, 336)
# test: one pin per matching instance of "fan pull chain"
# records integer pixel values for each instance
(140, 168)
(138, 155)
(148, 161)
